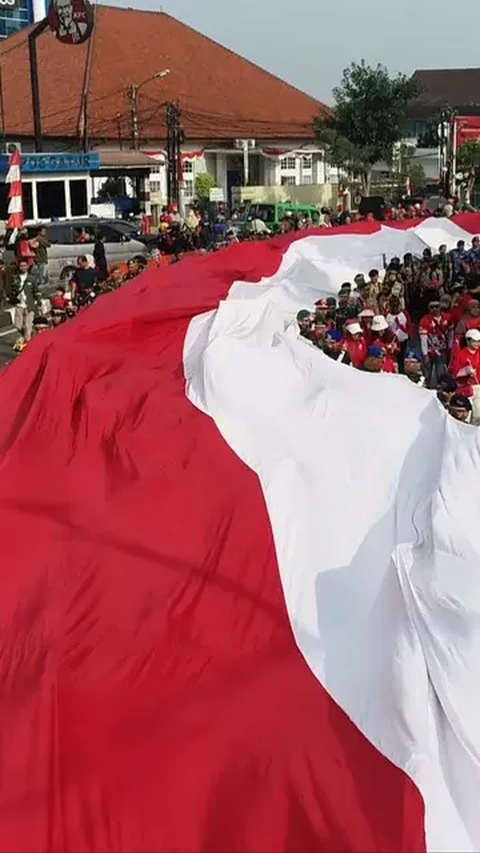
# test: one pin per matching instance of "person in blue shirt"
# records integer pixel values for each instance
(474, 253)
(459, 258)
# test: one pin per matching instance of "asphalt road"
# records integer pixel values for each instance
(7, 339)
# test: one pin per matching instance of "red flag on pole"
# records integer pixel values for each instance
(14, 179)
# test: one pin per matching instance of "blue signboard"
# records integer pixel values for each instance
(14, 15)
(39, 164)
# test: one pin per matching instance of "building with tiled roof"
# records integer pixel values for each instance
(223, 98)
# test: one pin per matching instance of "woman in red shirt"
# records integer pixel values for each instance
(466, 370)
(383, 337)
(355, 343)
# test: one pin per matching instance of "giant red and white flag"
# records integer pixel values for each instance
(15, 198)
(240, 593)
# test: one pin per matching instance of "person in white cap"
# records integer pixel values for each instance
(366, 319)
(383, 337)
(354, 343)
(466, 370)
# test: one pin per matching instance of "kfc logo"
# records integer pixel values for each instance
(71, 21)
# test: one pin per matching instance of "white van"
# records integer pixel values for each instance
(74, 237)
(69, 239)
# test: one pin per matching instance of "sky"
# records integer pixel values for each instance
(309, 43)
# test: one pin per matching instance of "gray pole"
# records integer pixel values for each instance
(134, 116)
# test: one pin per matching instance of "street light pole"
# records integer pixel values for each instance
(175, 137)
(133, 94)
(133, 98)
(34, 82)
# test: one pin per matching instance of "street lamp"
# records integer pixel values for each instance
(134, 90)
(156, 76)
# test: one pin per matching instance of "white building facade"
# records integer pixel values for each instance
(281, 163)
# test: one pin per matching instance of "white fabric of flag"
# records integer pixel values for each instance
(372, 492)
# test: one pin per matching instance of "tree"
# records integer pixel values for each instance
(111, 188)
(468, 162)
(203, 184)
(369, 115)
(417, 176)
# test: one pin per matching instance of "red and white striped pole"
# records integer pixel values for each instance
(14, 179)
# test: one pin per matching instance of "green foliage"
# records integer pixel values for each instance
(468, 155)
(369, 114)
(203, 184)
(468, 161)
(112, 188)
(417, 176)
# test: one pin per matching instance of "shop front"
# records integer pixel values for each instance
(55, 186)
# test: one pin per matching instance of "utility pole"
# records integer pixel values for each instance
(133, 96)
(34, 82)
(175, 137)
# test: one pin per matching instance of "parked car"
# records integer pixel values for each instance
(71, 238)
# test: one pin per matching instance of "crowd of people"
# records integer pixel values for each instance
(32, 313)
(419, 317)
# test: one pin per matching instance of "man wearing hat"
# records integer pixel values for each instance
(436, 337)
(324, 313)
(366, 319)
(376, 361)
(466, 370)
(333, 347)
(346, 310)
(363, 293)
(354, 343)
(412, 368)
(383, 337)
(460, 408)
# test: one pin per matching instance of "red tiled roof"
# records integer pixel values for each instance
(221, 95)
(438, 88)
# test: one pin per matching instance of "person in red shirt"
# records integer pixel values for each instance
(460, 300)
(354, 343)
(470, 319)
(436, 338)
(23, 248)
(466, 370)
(366, 319)
(377, 362)
(383, 337)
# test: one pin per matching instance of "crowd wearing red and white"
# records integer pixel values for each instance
(420, 317)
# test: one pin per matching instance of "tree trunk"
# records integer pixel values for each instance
(366, 179)
(469, 187)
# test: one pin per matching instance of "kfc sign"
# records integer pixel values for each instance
(71, 21)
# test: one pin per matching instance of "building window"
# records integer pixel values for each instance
(187, 167)
(78, 197)
(288, 180)
(288, 164)
(188, 189)
(307, 162)
(14, 19)
(306, 179)
(51, 199)
(27, 199)
(155, 186)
